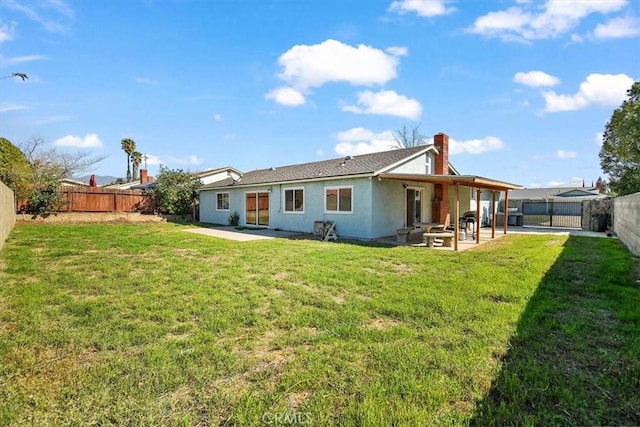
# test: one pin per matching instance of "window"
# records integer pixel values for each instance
(338, 200)
(222, 201)
(294, 200)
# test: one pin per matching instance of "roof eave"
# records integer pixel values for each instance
(294, 181)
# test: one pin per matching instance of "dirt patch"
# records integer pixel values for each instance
(398, 267)
(280, 276)
(381, 323)
(338, 299)
(296, 400)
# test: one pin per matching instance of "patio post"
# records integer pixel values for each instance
(477, 215)
(506, 209)
(493, 214)
(456, 220)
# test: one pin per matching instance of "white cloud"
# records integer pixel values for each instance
(308, 66)
(398, 50)
(89, 141)
(229, 136)
(535, 79)
(554, 183)
(598, 139)
(53, 15)
(53, 119)
(189, 160)
(421, 7)
(145, 81)
(562, 154)
(616, 28)
(287, 96)
(217, 117)
(22, 59)
(195, 160)
(385, 102)
(11, 106)
(529, 21)
(606, 90)
(6, 32)
(363, 141)
(535, 185)
(152, 160)
(319, 153)
(476, 146)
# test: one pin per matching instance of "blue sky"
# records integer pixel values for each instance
(523, 88)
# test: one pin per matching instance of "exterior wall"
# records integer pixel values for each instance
(389, 197)
(417, 165)
(465, 200)
(626, 221)
(356, 224)
(7, 212)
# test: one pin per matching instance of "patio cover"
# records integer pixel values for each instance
(473, 181)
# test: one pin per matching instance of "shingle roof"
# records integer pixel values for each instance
(340, 167)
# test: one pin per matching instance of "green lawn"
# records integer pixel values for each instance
(150, 325)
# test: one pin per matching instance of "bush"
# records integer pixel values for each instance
(234, 218)
(176, 191)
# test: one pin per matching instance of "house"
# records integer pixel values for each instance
(68, 182)
(367, 196)
(549, 207)
(207, 176)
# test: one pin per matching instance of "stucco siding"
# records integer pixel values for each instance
(354, 224)
(389, 196)
(417, 165)
(208, 212)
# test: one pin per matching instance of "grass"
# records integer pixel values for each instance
(149, 325)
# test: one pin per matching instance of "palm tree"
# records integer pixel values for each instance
(128, 146)
(136, 159)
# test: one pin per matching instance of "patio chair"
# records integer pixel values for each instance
(329, 231)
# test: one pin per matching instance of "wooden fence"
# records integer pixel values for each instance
(97, 199)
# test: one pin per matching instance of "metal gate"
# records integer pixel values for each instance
(552, 213)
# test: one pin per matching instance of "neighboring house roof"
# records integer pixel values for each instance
(365, 164)
(556, 193)
(68, 182)
(123, 186)
(209, 172)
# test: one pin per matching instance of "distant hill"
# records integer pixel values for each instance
(100, 179)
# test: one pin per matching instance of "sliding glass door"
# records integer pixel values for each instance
(257, 209)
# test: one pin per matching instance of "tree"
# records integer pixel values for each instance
(136, 159)
(176, 191)
(407, 138)
(15, 170)
(59, 164)
(128, 146)
(620, 152)
(45, 197)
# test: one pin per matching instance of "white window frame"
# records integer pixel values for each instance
(228, 201)
(338, 211)
(284, 200)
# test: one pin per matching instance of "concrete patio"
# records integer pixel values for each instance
(415, 239)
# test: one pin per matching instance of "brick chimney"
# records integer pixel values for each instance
(441, 208)
(441, 141)
(143, 176)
